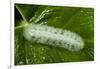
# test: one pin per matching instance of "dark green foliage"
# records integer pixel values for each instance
(76, 19)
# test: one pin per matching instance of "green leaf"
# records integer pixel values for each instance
(76, 19)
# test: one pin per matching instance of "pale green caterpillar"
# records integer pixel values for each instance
(56, 37)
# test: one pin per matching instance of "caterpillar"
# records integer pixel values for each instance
(56, 37)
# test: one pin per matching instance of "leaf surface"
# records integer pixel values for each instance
(76, 19)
